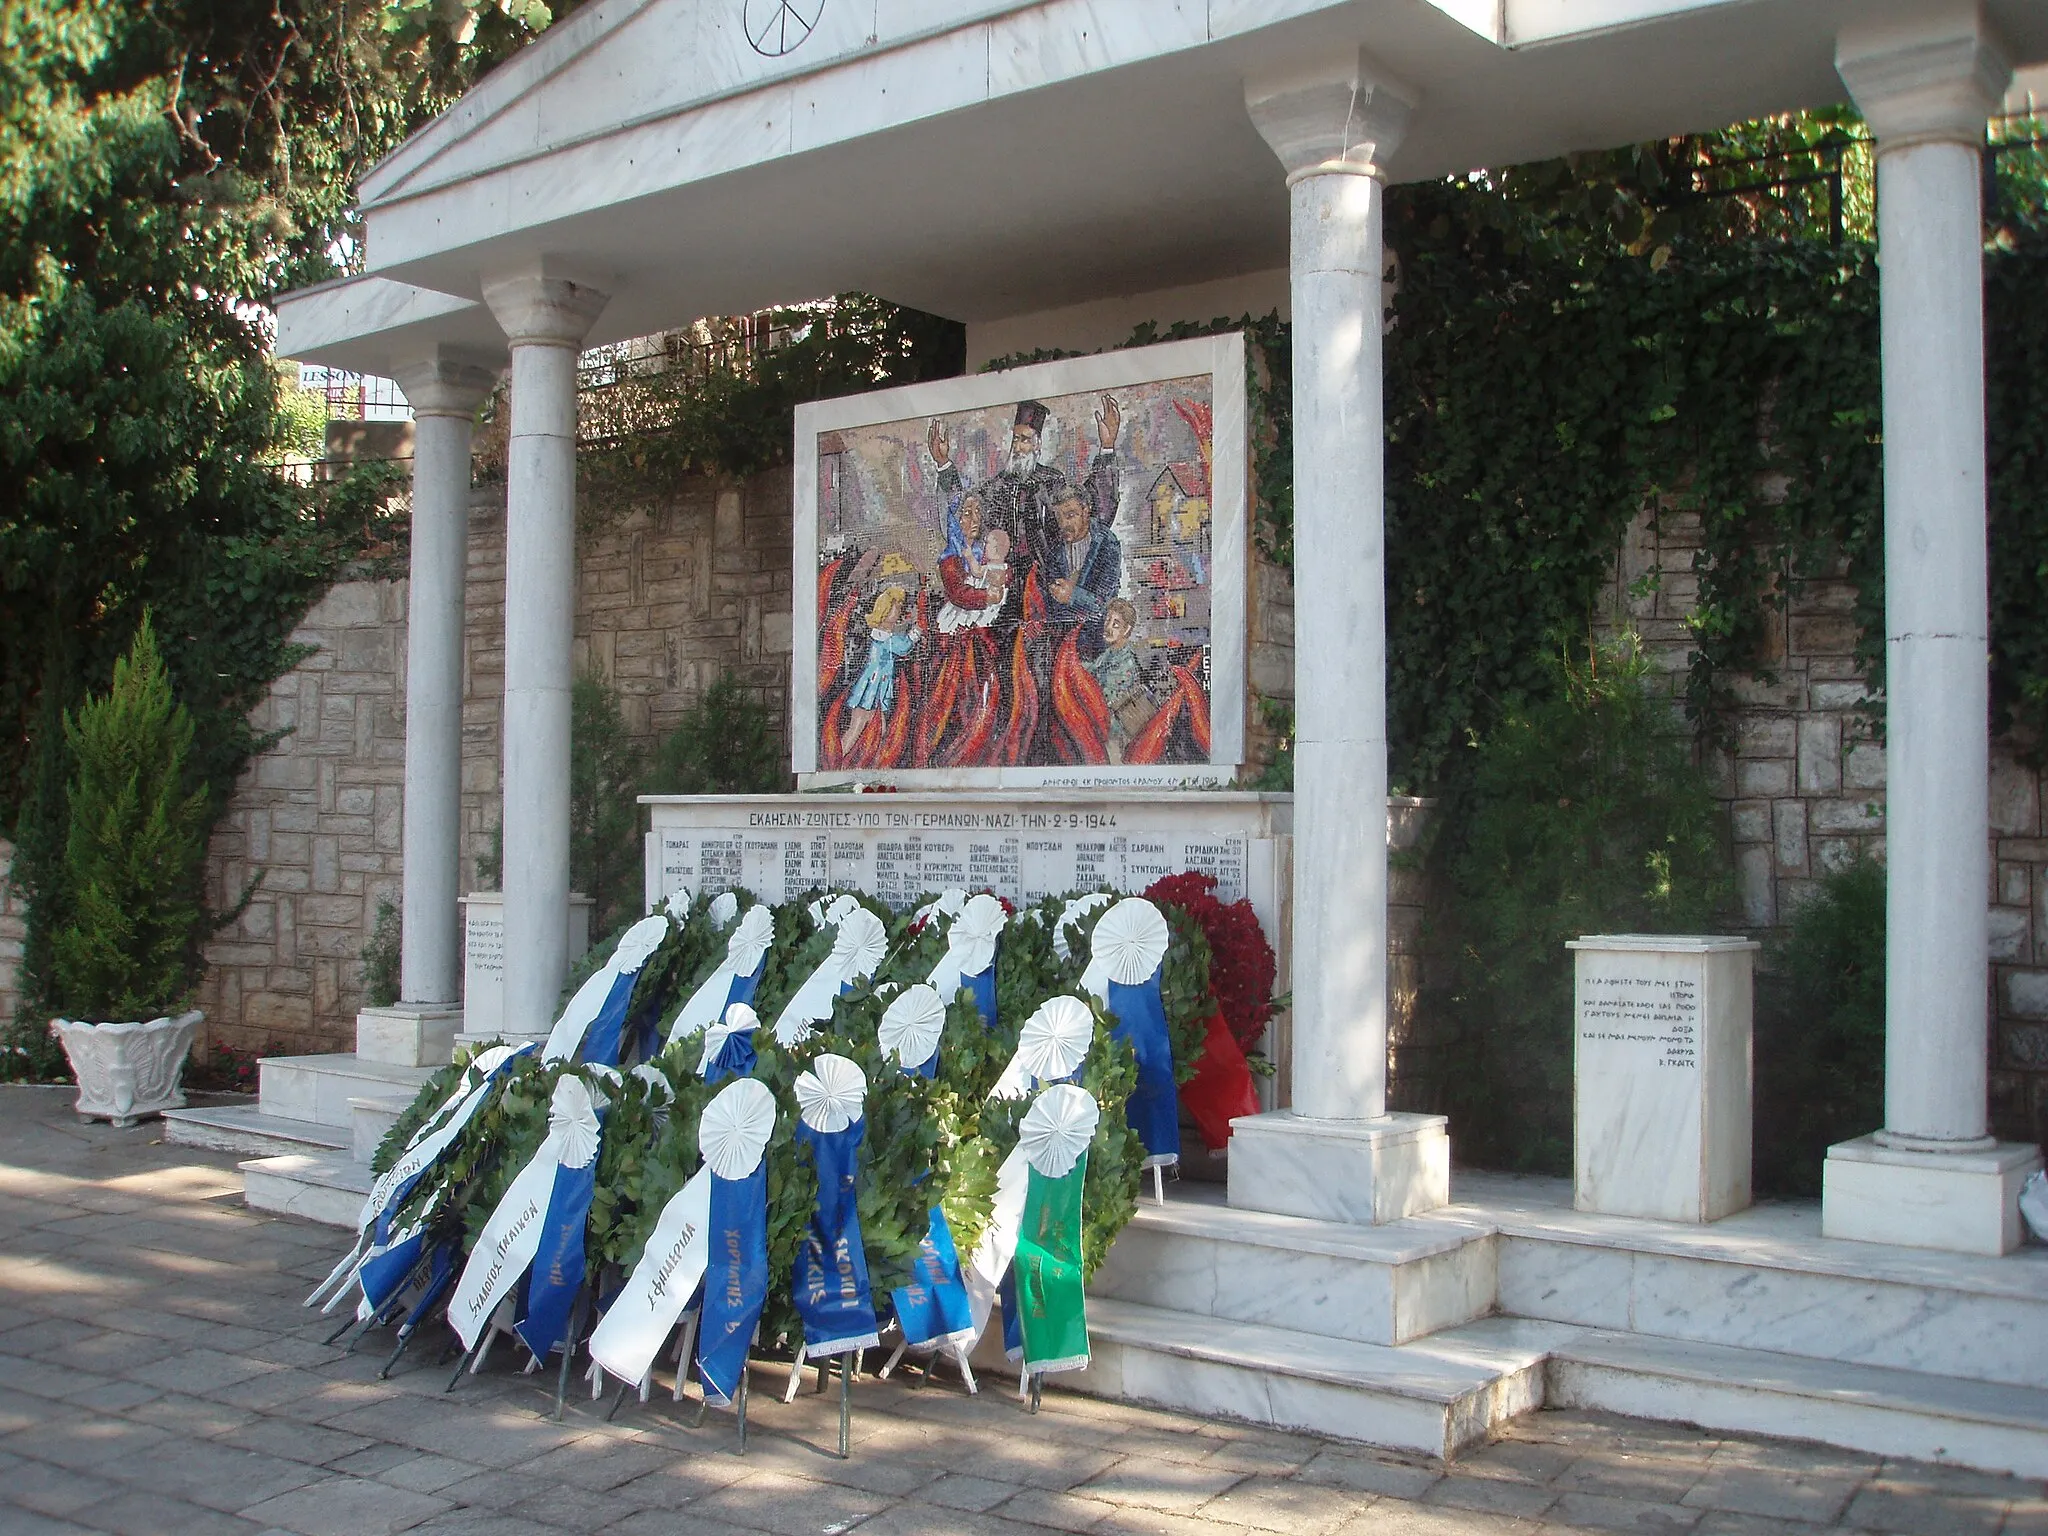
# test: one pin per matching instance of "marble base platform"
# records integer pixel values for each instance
(1373, 1285)
(328, 1188)
(1434, 1397)
(1366, 1172)
(409, 1034)
(1962, 1202)
(317, 1106)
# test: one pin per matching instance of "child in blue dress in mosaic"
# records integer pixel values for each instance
(891, 635)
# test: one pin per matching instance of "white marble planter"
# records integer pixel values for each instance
(127, 1071)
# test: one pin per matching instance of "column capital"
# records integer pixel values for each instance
(1932, 75)
(540, 308)
(449, 381)
(1340, 114)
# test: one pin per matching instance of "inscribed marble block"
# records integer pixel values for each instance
(1662, 1075)
(483, 959)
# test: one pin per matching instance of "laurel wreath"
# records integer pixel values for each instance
(929, 1141)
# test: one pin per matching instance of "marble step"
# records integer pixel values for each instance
(247, 1129)
(1372, 1285)
(1873, 1409)
(320, 1087)
(1434, 1396)
(325, 1187)
(370, 1116)
(1765, 1279)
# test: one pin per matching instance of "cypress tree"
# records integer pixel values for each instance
(135, 849)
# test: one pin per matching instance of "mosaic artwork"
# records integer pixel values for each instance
(1024, 584)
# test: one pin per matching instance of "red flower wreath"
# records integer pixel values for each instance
(1241, 963)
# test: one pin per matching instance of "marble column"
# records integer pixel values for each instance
(1337, 1153)
(1925, 82)
(545, 319)
(444, 386)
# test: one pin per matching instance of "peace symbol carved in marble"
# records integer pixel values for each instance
(777, 27)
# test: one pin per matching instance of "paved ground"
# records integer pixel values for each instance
(158, 1377)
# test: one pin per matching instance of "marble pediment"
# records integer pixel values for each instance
(620, 63)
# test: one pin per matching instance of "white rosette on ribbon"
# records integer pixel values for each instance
(1128, 943)
(1073, 912)
(738, 1019)
(660, 1091)
(678, 904)
(1057, 1128)
(743, 952)
(857, 948)
(1052, 1044)
(724, 907)
(1125, 951)
(970, 943)
(830, 1093)
(511, 1237)
(911, 1026)
(731, 1136)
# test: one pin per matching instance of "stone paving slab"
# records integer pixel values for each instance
(159, 1377)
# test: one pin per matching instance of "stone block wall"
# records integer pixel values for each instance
(671, 592)
(315, 825)
(1804, 785)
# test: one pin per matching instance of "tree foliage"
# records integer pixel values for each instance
(726, 743)
(1820, 1030)
(738, 416)
(1585, 813)
(167, 169)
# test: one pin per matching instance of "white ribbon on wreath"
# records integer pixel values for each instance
(857, 948)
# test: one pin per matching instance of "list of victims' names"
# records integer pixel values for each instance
(1019, 860)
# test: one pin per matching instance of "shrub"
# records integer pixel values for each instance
(605, 767)
(1820, 1031)
(29, 1053)
(224, 1069)
(381, 957)
(1585, 814)
(127, 944)
(725, 744)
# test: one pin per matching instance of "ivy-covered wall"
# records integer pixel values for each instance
(1802, 775)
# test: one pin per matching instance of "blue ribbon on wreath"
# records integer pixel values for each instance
(735, 1281)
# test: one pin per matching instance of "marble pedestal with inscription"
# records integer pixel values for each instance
(1662, 1075)
(483, 961)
